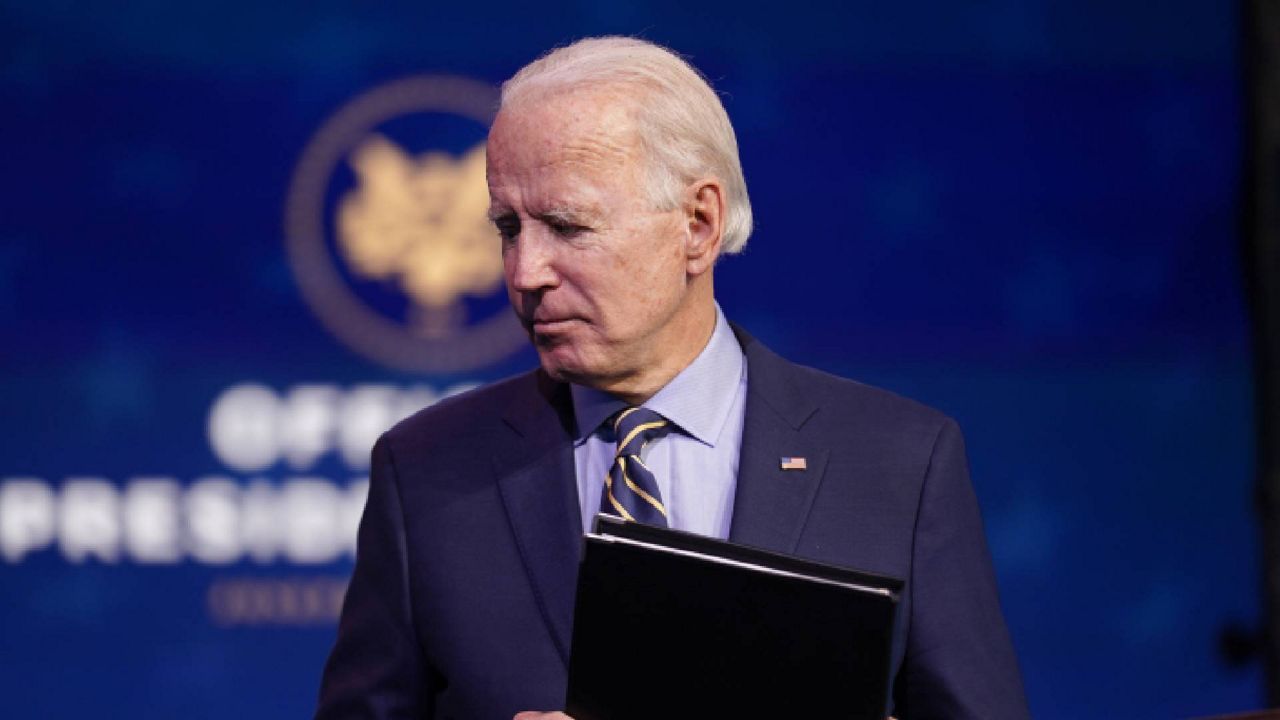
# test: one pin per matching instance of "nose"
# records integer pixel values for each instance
(529, 262)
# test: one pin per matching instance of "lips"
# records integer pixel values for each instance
(552, 324)
(537, 316)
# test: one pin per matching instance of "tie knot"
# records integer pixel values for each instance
(635, 426)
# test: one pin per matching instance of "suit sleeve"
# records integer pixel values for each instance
(959, 661)
(376, 668)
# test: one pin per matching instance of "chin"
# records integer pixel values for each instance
(555, 372)
(555, 365)
(564, 366)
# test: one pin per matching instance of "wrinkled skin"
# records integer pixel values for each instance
(615, 293)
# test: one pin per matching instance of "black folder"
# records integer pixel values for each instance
(674, 625)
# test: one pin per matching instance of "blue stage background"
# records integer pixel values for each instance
(1023, 213)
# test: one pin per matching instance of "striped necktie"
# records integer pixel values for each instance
(630, 490)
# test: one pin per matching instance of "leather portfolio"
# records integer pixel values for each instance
(670, 624)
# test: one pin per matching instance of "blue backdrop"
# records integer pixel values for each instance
(1022, 212)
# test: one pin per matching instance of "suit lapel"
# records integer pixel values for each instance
(771, 505)
(539, 492)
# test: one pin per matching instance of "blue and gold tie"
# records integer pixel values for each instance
(630, 490)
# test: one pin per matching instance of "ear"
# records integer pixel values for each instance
(704, 207)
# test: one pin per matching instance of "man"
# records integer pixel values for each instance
(615, 186)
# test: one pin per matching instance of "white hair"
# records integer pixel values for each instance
(682, 125)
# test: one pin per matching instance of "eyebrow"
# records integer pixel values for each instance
(562, 213)
(565, 215)
(499, 213)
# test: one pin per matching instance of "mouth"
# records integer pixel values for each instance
(552, 325)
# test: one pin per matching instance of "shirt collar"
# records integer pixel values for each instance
(697, 400)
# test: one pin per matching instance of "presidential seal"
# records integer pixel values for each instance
(386, 231)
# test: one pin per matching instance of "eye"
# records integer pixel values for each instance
(565, 229)
(508, 228)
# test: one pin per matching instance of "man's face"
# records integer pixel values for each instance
(596, 275)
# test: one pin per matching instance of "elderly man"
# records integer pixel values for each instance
(615, 186)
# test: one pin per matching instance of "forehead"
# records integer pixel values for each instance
(570, 132)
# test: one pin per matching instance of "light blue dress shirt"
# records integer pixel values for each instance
(696, 463)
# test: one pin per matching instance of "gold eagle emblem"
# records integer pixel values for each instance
(421, 221)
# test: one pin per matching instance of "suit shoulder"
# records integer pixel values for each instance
(846, 398)
(797, 389)
(476, 410)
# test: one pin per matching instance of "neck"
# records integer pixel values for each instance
(673, 353)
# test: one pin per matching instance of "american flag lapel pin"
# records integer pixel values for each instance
(793, 463)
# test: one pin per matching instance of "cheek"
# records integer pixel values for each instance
(508, 266)
(512, 295)
(649, 286)
(659, 270)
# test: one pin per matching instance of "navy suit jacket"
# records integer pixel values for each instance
(461, 603)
